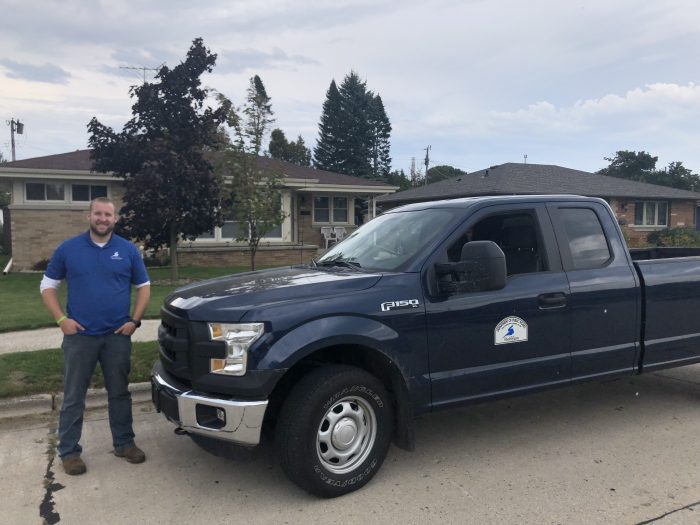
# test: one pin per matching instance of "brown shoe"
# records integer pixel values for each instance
(132, 454)
(74, 465)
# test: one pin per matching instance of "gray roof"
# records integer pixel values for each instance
(80, 160)
(536, 179)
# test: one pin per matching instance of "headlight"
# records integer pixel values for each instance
(238, 338)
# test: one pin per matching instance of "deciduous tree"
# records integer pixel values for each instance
(255, 199)
(171, 190)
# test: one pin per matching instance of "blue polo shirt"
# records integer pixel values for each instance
(99, 280)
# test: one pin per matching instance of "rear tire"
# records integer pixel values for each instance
(334, 430)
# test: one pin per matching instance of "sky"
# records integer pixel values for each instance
(481, 82)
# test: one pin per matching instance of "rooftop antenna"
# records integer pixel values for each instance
(143, 68)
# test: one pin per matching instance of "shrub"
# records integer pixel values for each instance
(154, 259)
(675, 237)
(40, 266)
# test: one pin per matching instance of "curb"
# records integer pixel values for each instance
(49, 403)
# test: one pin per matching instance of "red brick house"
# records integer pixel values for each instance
(640, 208)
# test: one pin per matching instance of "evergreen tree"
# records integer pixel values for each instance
(294, 152)
(354, 131)
(326, 152)
(380, 128)
(356, 142)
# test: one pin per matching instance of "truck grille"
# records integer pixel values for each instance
(174, 339)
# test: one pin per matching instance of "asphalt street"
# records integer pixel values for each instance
(622, 451)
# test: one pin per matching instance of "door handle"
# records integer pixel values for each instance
(551, 300)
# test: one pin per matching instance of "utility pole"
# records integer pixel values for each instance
(413, 171)
(15, 126)
(143, 68)
(525, 158)
(427, 161)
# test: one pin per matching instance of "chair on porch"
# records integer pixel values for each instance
(328, 235)
(340, 233)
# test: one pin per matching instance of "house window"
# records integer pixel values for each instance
(340, 209)
(327, 208)
(44, 191)
(322, 207)
(87, 192)
(232, 230)
(650, 213)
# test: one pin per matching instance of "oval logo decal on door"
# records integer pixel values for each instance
(510, 330)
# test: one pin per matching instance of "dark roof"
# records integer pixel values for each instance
(294, 171)
(79, 160)
(536, 179)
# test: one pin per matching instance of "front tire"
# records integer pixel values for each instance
(334, 430)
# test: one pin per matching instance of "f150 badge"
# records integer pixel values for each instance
(510, 330)
(397, 305)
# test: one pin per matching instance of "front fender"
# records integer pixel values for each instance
(328, 331)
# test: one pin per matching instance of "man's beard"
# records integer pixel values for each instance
(106, 233)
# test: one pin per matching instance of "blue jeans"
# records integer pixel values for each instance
(81, 353)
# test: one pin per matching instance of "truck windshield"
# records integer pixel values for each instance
(389, 242)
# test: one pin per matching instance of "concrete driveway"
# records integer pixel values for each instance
(623, 451)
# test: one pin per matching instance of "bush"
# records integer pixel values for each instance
(40, 266)
(686, 237)
(156, 259)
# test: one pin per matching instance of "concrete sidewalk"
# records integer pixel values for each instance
(30, 340)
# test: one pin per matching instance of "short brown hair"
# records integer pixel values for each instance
(104, 200)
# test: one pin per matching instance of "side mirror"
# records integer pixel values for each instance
(482, 268)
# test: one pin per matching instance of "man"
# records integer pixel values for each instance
(100, 268)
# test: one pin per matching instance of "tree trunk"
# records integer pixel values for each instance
(173, 253)
(252, 259)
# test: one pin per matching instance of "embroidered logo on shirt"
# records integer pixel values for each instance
(115, 257)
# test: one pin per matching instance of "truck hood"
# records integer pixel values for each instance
(228, 298)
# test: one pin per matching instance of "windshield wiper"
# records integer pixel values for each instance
(338, 261)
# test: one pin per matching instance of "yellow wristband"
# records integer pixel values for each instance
(61, 319)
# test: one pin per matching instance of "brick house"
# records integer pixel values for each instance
(640, 208)
(50, 196)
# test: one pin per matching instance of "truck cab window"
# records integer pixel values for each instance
(587, 243)
(517, 234)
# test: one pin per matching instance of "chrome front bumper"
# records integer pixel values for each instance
(242, 420)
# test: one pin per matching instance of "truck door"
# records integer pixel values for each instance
(489, 343)
(605, 294)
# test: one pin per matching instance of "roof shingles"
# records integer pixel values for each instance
(80, 160)
(536, 179)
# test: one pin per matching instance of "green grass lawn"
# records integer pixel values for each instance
(41, 372)
(21, 307)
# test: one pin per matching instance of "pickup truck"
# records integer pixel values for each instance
(428, 306)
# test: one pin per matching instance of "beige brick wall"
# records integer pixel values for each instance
(240, 256)
(37, 233)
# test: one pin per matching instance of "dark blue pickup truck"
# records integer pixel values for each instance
(428, 306)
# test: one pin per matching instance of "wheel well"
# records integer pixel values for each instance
(362, 357)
